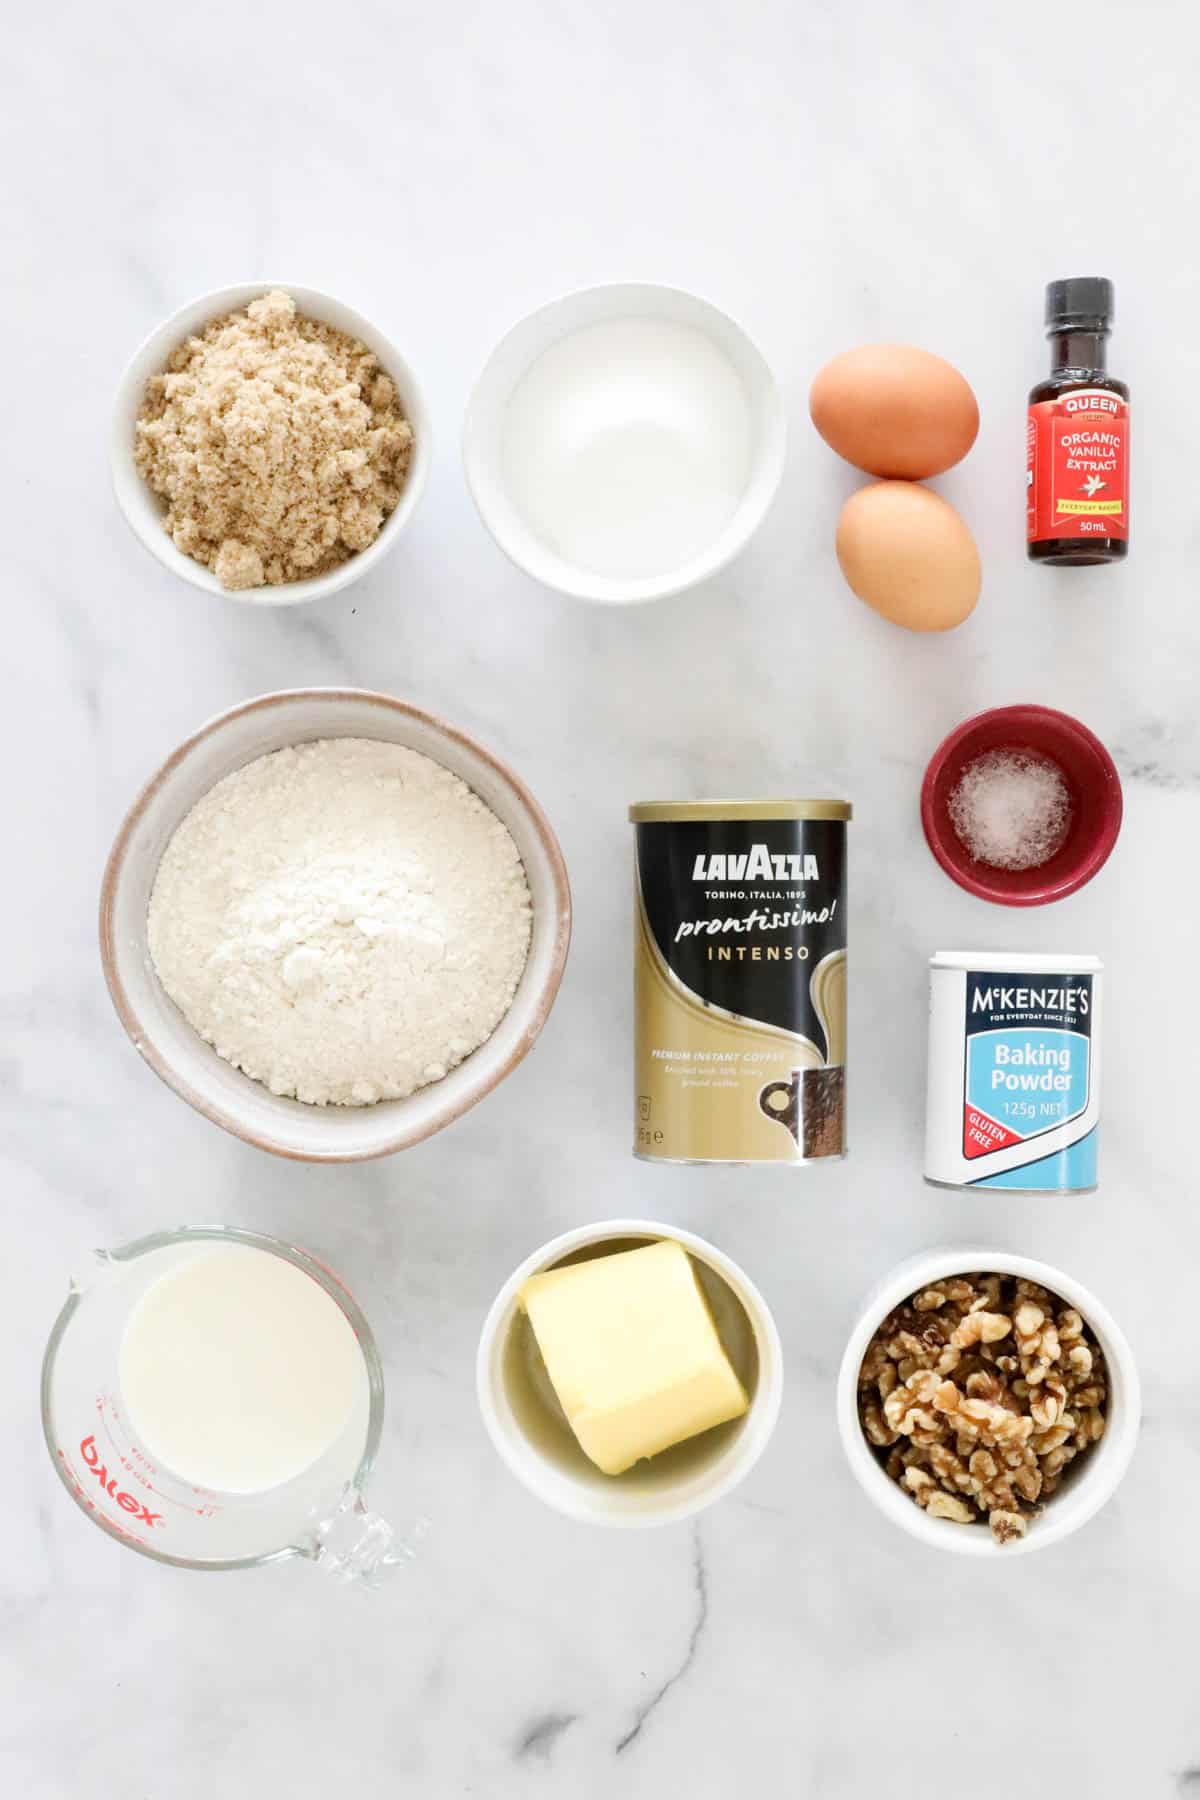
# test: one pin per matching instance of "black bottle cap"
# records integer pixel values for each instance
(1081, 300)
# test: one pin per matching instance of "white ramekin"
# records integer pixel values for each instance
(181, 1057)
(572, 1486)
(1085, 1489)
(520, 348)
(143, 509)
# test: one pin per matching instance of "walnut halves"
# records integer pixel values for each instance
(977, 1393)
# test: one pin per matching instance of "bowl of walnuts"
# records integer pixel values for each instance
(988, 1406)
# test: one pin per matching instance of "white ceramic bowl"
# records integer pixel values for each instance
(175, 1051)
(144, 510)
(536, 1442)
(483, 435)
(1085, 1488)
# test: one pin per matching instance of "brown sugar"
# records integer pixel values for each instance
(277, 444)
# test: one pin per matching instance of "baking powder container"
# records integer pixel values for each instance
(740, 981)
(1013, 1095)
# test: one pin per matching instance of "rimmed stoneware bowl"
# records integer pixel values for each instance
(527, 1427)
(179, 1055)
(144, 511)
(1085, 1487)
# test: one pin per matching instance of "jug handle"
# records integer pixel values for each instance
(357, 1546)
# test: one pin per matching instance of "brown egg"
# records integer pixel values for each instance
(894, 411)
(905, 551)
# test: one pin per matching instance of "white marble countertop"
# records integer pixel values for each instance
(828, 175)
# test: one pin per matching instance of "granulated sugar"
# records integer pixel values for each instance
(1011, 809)
(626, 446)
(343, 920)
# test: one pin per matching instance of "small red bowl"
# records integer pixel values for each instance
(1089, 771)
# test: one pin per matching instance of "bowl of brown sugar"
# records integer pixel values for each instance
(269, 443)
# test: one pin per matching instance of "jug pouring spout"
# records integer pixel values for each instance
(357, 1546)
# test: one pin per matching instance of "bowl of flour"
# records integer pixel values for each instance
(333, 922)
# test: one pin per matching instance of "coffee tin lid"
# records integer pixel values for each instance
(668, 812)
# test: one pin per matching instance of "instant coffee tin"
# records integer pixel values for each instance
(740, 981)
(1013, 1095)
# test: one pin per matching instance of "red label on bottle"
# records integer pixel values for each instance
(1077, 466)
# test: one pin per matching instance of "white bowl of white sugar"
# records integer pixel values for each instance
(333, 922)
(624, 443)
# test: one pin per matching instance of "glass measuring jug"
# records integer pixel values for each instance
(123, 1488)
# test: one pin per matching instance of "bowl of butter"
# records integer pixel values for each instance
(629, 1373)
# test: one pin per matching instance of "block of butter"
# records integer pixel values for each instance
(631, 1349)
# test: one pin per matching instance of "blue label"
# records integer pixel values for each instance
(1029, 1081)
(1071, 1171)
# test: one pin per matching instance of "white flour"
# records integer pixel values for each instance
(344, 920)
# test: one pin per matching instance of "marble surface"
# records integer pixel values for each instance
(828, 175)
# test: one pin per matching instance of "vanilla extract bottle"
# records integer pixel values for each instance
(1077, 437)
